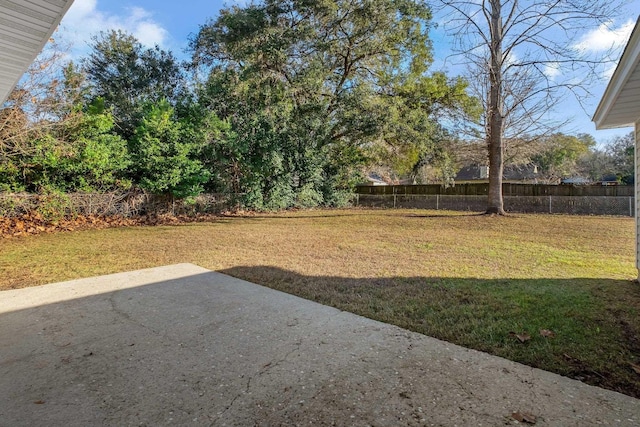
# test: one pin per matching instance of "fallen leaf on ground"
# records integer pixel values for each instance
(635, 367)
(524, 417)
(547, 333)
(32, 223)
(523, 337)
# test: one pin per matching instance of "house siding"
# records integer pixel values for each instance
(637, 191)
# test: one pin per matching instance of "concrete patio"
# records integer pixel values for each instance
(181, 345)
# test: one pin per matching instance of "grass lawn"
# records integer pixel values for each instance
(464, 278)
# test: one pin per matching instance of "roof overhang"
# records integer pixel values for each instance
(25, 27)
(620, 104)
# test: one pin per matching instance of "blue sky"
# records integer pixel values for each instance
(166, 23)
(169, 24)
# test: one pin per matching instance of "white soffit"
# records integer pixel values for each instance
(620, 104)
(25, 27)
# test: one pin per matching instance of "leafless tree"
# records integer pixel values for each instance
(524, 57)
(42, 101)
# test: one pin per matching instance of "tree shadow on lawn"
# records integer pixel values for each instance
(595, 322)
(460, 213)
(353, 212)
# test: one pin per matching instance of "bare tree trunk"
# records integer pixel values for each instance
(495, 112)
(522, 63)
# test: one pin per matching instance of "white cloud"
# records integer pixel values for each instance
(85, 19)
(552, 70)
(609, 70)
(511, 58)
(80, 9)
(150, 34)
(608, 40)
(605, 37)
(141, 24)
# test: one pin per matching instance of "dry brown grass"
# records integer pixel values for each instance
(349, 243)
(465, 278)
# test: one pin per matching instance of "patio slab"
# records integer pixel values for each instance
(182, 345)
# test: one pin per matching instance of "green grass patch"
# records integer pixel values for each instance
(466, 279)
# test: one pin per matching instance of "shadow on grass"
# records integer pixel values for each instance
(353, 213)
(283, 216)
(596, 322)
(445, 216)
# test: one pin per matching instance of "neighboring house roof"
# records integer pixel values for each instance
(472, 172)
(511, 173)
(25, 27)
(575, 180)
(620, 104)
(374, 178)
(520, 172)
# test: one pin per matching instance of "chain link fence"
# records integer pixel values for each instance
(133, 203)
(573, 205)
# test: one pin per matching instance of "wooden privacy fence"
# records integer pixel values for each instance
(575, 205)
(467, 197)
(508, 189)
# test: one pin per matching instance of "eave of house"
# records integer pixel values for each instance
(620, 104)
(25, 27)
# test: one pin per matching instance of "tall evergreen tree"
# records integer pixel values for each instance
(126, 75)
(310, 87)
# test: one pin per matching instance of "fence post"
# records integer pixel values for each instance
(437, 202)
(394, 200)
(550, 205)
(631, 206)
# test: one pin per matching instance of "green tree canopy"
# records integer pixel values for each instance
(622, 151)
(311, 88)
(165, 152)
(92, 158)
(126, 75)
(51, 139)
(559, 155)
